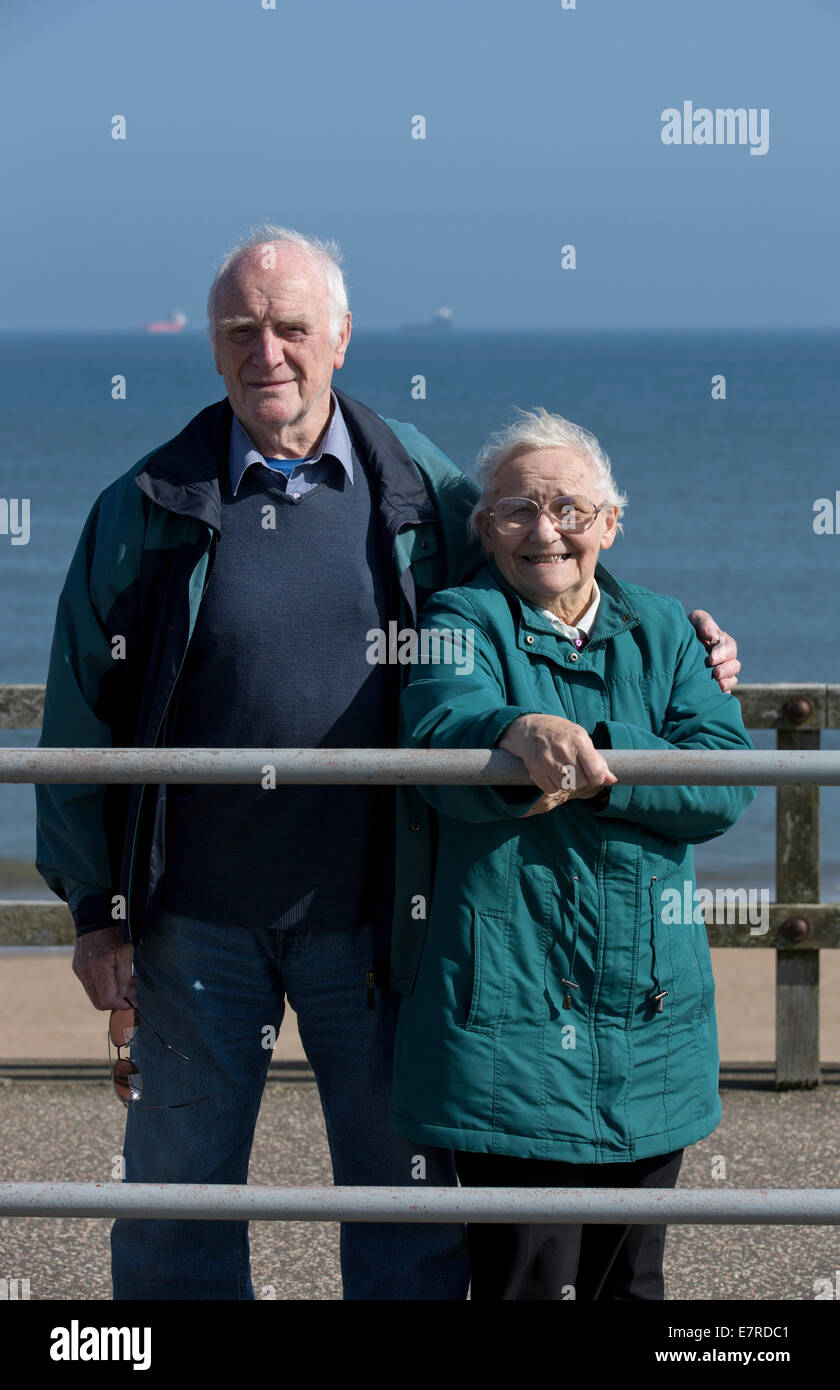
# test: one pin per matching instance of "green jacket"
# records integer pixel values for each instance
(566, 905)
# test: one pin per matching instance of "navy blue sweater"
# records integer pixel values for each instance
(278, 659)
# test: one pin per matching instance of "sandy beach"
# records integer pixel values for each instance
(44, 1012)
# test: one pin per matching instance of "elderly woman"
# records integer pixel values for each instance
(561, 1028)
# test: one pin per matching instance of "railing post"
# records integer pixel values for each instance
(797, 881)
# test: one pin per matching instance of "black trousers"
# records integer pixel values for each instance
(526, 1262)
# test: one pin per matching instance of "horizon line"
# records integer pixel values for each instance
(458, 329)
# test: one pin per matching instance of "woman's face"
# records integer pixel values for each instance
(550, 569)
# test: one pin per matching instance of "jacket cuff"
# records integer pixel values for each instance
(528, 794)
(613, 734)
(600, 739)
(92, 914)
(601, 735)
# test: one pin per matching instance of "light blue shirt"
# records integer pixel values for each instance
(303, 474)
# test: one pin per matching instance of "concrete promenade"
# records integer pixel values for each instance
(54, 1130)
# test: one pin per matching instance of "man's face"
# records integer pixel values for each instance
(272, 344)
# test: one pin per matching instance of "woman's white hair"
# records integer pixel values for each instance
(326, 255)
(537, 429)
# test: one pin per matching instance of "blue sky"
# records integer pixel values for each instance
(543, 129)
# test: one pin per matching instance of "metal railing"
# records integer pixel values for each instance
(402, 766)
(599, 1206)
(800, 926)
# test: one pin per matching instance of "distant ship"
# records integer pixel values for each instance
(174, 324)
(442, 319)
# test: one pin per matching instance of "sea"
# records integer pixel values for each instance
(726, 444)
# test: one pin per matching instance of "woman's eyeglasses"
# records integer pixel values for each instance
(570, 514)
(128, 1083)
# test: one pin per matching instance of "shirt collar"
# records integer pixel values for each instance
(243, 452)
(585, 623)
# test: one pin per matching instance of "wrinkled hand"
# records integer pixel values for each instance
(722, 649)
(560, 757)
(549, 801)
(103, 963)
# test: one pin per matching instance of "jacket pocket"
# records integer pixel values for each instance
(488, 932)
(703, 962)
(679, 950)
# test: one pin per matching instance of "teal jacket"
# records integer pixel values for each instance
(533, 1023)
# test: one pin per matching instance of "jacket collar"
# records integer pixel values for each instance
(393, 478)
(183, 474)
(616, 613)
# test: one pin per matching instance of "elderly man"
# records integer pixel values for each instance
(222, 595)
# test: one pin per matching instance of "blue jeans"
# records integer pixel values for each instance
(212, 992)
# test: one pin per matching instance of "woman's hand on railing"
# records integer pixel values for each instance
(560, 757)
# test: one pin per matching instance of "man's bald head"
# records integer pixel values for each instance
(264, 248)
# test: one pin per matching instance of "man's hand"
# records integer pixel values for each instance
(551, 749)
(103, 963)
(722, 649)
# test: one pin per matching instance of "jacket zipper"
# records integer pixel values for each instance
(570, 983)
(659, 996)
(154, 745)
